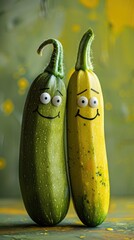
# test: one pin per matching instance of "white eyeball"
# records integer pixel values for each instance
(82, 101)
(45, 98)
(93, 102)
(56, 100)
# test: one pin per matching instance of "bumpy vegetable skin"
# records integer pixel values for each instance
(42, 165)
(87, 158)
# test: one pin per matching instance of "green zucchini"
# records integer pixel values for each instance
(42, 164)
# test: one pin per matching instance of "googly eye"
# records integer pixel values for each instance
(82, 101)
(93, 102)
(57, 100)
(45, 98)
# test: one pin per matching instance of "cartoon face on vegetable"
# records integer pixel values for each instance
(50, 100)
(86, 97)
(85, 103)
(56, 101)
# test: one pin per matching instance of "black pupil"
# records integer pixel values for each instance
(94, 102)
(83, 101)
(58, 100)
(45, 98)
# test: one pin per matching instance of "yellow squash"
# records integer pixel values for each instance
(87, 157)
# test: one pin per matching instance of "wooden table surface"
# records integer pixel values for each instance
(16, 224)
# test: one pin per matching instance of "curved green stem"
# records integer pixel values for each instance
(61, 64)
(55, 65)
(83, 57)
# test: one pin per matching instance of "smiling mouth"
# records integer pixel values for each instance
(48, 117)
(79, 115)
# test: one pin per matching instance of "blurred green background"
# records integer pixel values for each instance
(23, 27)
